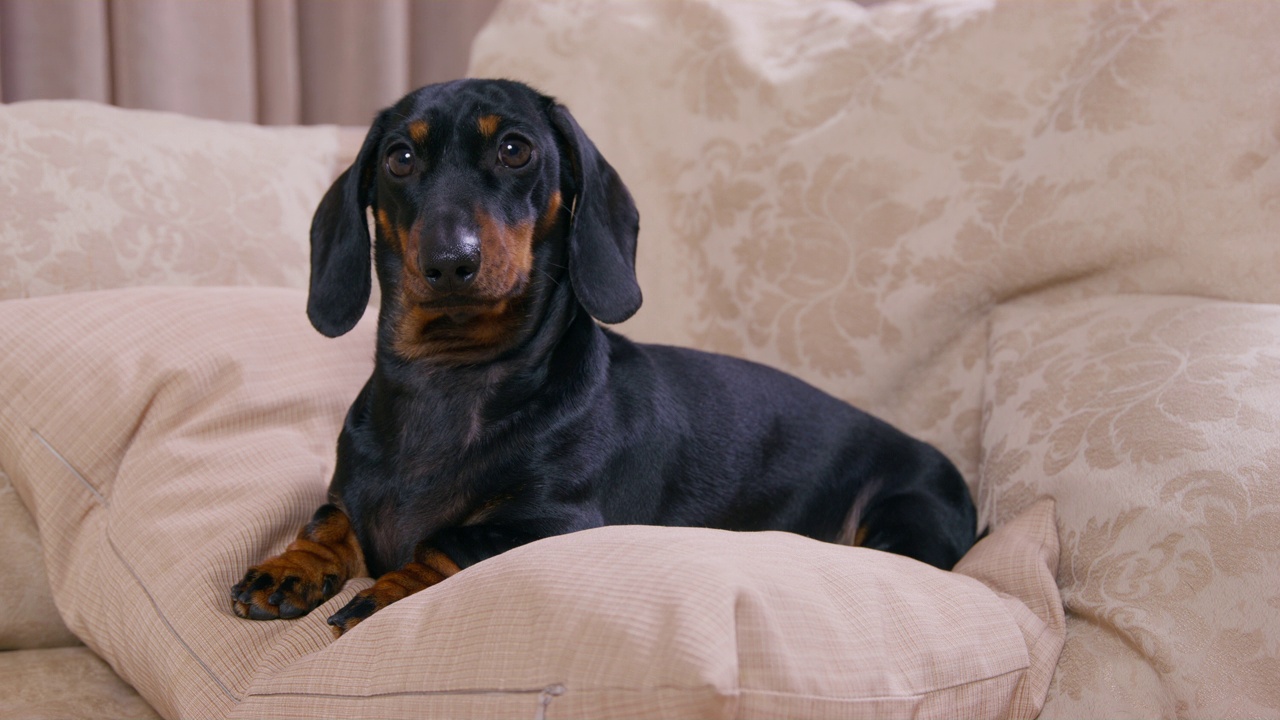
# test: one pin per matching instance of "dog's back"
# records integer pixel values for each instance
(716, 441)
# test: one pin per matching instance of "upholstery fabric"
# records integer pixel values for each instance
(1153, 421)
(96, 197)
(30, 619)
(167, 438)
(66, 682)
(845, 192)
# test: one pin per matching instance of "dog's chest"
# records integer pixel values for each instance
(401, 515)
(433, 459)
(423, 486)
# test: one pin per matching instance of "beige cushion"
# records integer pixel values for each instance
(1155, 423)
(161, 437)
(165, 439)
(29, 619)
(845, 192)
(67, 682)
(97, 197)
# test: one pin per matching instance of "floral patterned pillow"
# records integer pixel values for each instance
(96, 197)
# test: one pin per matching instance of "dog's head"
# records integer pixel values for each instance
(482, 192)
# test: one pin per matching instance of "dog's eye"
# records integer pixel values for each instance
(514, 152)
(400, 162)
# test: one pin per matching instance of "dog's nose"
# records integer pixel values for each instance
(453, 266)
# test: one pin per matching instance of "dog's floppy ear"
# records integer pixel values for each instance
(605, 223)
(341, 272)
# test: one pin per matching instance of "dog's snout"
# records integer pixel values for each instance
(451, 266)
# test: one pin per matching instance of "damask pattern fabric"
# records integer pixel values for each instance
(846, 192)
(96, 197)
(1155, 424)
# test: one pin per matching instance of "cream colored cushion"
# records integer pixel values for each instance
(166, 438)
(845, 192)
(29, 618)
(161, 437)
(1155, 423)
(98, 197)
(66, 682)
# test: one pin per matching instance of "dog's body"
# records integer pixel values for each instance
(499, 412)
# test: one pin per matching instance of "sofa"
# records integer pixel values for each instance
(1043, 236)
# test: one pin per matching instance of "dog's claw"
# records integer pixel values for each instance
(361, 607)
(256, 612)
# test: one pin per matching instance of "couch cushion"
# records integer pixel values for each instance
(681, 622)
(1155, 424)
(67, 682)
(166, 439)
(845, 192)
(29, 619)
(158, 435)
(98, 197)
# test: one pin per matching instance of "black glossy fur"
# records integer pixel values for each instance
(501, 412)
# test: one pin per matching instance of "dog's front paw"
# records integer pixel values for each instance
(283, 587)
(365, 603)
(420, 574)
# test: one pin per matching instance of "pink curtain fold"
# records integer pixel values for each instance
(266, 61)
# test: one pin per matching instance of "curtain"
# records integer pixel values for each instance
(266, 61)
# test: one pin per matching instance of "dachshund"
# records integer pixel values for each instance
(500, 411)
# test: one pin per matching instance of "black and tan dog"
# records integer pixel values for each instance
(499, 412)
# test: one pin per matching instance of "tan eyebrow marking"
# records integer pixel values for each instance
(418, 131)
(488, 124)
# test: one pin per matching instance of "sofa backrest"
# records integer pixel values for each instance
(847, 192)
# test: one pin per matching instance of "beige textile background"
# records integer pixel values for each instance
(269, 61)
